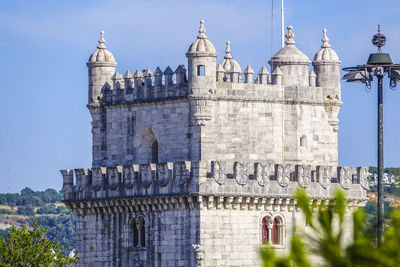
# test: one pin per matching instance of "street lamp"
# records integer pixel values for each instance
(379, 64)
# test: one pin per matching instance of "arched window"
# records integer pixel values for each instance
(272, 231)
(265, 230)
(137, 232)
(154, 152)
(146, 147)
(133, 233)
(142, 231)
(200, 70)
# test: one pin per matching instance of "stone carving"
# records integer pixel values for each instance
(303, 175)
(241, 173)
(113, 178)
(345, 176)
(98, 175)
(362, 174)
(283, 174)
(147, 174)
(219, 171)
(324, 174)
(262, 172)
(182, 172)
(129, 177)
(200, 112)
(198, 250)
(164, 173)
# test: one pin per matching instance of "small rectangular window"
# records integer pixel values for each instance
(200, 70)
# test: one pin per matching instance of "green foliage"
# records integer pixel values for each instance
(30, 197)
(47, 209)
(325, 238)
(7, 211)
(61, 227)
(32, 248)
(26, 210)
(390, 170)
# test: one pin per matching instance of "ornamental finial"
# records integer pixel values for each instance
(101, 41)
(325, 40)
(379, 39)
(202, 31)
(289, 36)
(228, 50)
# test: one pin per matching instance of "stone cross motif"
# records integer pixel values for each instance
(241, 172)
(219, 171)
(303, 174)
(129, 174)
(362, 174)
(97, 179)
(324, 174)
(146, 175)
(198, 250)
(262, 171)
(283, 174)
(345, 176)
(182, 172)
(112, 178)
(164, 173)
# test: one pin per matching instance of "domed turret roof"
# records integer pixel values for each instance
(102, 55)
(229, 63)
(326, 53)
(202, 45)
(290, 53)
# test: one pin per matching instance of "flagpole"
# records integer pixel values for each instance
(282, 26)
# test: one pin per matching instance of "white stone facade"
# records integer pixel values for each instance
(199, 167)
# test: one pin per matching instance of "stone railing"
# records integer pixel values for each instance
(212, 178)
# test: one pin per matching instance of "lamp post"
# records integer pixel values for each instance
(379, 64)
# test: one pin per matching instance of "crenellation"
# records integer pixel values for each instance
(182, 160)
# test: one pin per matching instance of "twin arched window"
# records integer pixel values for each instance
(137, 232)
(272, 230)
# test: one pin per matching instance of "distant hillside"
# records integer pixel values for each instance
(45, 207)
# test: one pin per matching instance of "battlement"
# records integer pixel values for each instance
(171, 85)
(215, 178)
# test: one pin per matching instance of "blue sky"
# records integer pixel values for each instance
(44, 46)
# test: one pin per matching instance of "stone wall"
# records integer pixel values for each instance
(105, 238)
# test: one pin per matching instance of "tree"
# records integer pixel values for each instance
(32, 248)
(26, 210)
(326, 239)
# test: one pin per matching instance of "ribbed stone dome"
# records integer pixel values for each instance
(202, 44)
(290, 53)
(326, 53)
(101, 55)
(229, 63)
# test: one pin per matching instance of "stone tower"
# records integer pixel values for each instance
(101, 66)
(199, 168)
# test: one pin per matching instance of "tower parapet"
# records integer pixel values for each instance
(201, 64)
(101, 66)
(292, 62)
(327, 67)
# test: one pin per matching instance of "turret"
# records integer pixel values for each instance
(327, 67)
(248, 74)
(101, 66)
(231, 67)
(201, 63)
(263, 75)
(128, 80)
(292, 62)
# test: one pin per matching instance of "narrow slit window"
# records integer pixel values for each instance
(200, 70)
